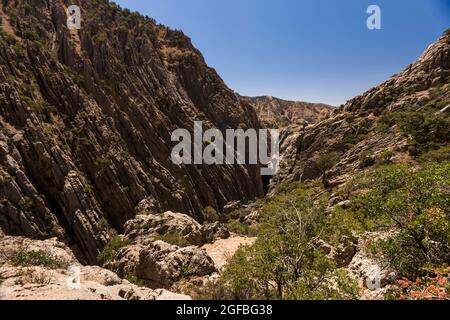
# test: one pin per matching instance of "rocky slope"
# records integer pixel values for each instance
(86, 121)
(277, 113)
(36, 270)
(352, 130)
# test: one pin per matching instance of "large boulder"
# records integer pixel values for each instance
(160, 264)
(164, 264)
(145, 227)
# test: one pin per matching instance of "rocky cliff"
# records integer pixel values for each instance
(278, 113)
(86, 121)
(361, 133)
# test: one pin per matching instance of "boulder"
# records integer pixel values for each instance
(161, 264)
(164, 264)
(150, 227)
(214, 231)
(345, 251)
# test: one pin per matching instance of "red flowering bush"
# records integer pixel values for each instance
(428, 288)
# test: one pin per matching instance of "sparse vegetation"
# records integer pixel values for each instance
(173, 237)
(134, 279)
(112, 248)
(236, 226)
(36, 277)
(37, 258)
(210, 215)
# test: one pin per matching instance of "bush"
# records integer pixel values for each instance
(112, 248)
(438, 155)
(134, 279)
(174, 238)
(325, 162)
(210, 215)
(240, 228)
(427, 129)
(37, 258)
(417, 203)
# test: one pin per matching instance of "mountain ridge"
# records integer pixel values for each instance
(274, 112)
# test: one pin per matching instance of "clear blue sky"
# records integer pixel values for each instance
(310, 50)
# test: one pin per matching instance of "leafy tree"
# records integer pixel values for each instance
(284, 262)
(417, 202)
(325, 162)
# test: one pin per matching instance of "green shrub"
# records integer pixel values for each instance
(426, 128)
(438, 155)
(237, 214)
(210, 215)
(112, 248)
(353, 139)
(416, 201)
(240, 228)
(134, 279)
(37, 258)
(102, 162)
(325, 162)
(174, 238)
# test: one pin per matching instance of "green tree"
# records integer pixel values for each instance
(325, 162)
(284, 262)
(416, 201)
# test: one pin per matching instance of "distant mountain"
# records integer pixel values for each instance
(277, 113)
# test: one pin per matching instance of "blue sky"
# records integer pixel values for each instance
(309, 50)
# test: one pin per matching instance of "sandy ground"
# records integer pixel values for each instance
(223, 249)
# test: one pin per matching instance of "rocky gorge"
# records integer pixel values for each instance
(86, 179)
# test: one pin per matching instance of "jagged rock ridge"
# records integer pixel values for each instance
(86, 118)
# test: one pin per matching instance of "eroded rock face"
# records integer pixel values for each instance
(48, 270)
(86, 121)
(372, 273)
